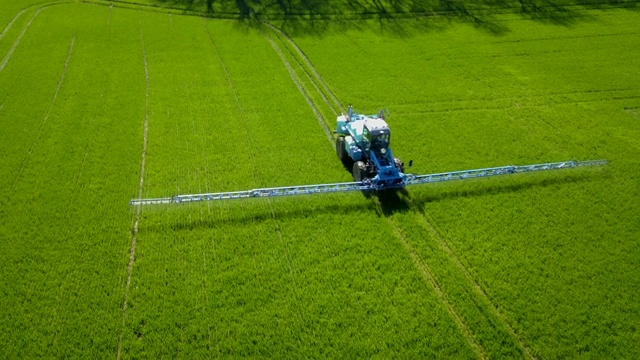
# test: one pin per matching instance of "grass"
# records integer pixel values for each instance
(539, 265)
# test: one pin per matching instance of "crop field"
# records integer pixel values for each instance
(102, 102)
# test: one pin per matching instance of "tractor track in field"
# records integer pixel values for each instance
(429, 278)
(25, 161)
(15, 17)
(302, 60)
(298, 84)
(423, 268)
(317, 75)
(276, 222)
(134, 230)
(22, 11)
(17, 42)
(429, 225)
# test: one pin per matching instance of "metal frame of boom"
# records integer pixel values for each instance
(410, 179)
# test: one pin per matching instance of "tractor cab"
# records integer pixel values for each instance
(376, 135)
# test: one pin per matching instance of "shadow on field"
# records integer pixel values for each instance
(487, 190)
(388, 202)
(393, 201)
(399, 18)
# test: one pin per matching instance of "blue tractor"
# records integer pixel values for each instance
(363, 145)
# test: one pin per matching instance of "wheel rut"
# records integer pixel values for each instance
(17, 42)
(318, 78)
(274, 219)
(429, 225)
(428, 277)
(46, 116)
(421, 266)
(138, 211)
(298, 84)
(15, 17)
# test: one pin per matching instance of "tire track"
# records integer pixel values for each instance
(424, 270)
(15, 44)
(46, 116)
(15, 17)
(134, 230)
(306, 60)
(278, 226)
(428, 224)
(298, 84)
(429, 279)
(19, 13)
(313, 82)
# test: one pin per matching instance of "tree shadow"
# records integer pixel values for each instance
(399, 18)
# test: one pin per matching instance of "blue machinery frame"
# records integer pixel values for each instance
(408, 179)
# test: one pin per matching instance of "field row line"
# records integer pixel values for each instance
(428, 277)
(134, 230)
(309, 65)
(15, 17)
(424, 270)
(508, 102)
(278, 226)
(15, 43)
(428, 224)
(298, 84)
(46, 115)
(19, 13)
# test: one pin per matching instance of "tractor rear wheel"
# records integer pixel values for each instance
(359, 171)
(341, 151)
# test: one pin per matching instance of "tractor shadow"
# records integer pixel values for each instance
(389, 201)
(392, 200)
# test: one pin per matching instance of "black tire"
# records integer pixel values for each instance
(399, 164)
(340, 149)
(359, 171)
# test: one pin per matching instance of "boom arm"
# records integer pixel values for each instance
(410, 179)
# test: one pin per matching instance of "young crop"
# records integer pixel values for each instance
(537, 265)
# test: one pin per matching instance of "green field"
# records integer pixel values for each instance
(102, 102)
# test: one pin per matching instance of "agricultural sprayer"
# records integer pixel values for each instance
(362, 144)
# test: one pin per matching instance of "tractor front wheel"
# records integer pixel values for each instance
(359, 171)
